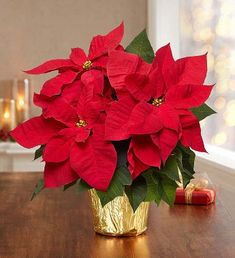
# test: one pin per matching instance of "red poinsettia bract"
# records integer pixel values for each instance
(78, 62)
(74, 140)
(155, 110)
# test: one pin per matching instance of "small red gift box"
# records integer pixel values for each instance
(198, 197)
(195, 194)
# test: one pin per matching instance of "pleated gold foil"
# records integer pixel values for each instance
(117, 218)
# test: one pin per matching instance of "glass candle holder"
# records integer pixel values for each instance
(21, 94)
(7, 114)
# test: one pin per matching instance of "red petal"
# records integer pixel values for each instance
(54, 86)
(120, 65)
(51, 65)
(78, 56)
(93, 112)
(59, 174)
(166, 140)
(94, 82)
(58, 147)
(82, 134)
(168, 137)
(143, 67)
(117, 119)
(157, 84)
(91, 102)
(120, 48)
(108, 91)
(71, 92)
(122, 93)
(36, 131)
(101, 45)
(95, 160)
(146, 151)
(187, 96)
(139, 87)
(144, 119)
(163, 58)
(142, 87)
(191, 132)
(169, 117)
(191, 137)
(56, 108)
(136, 167)
(100, 62)
(188, 70)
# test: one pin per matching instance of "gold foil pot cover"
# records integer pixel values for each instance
(117, 218)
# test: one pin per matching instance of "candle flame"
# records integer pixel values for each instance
(6, 115)
(21, 102)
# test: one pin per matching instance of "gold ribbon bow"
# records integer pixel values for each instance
(194, 185)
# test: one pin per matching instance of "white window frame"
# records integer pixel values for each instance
(163, 24)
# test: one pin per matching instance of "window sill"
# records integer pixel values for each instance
(216, 157)
(14, 158)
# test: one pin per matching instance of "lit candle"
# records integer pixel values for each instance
(21, 92)
(21, 103)
(7, 114)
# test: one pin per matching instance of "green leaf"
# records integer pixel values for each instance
(171, 168)
(158, 196)
(166, 188)
(153, 193)
(38, 188)
(38, 152)
(121, 178)
(69, 185)
(203, 111)
(188, 157)
(142, 47)
(136, 193)
(161, 183)
(82, 186)
(185, 159)
(123, 175)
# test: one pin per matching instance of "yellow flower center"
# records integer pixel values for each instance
(87, 65)
(81, 123)
(157, 102)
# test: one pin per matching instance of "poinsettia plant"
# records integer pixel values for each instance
(4, 136)
(119, 120)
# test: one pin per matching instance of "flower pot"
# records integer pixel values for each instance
(117, 218)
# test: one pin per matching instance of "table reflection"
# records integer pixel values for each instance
(108, 247)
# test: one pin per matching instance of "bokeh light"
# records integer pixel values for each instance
(219, 138)
(219, 103)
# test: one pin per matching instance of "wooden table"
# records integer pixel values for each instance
(59, 224)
